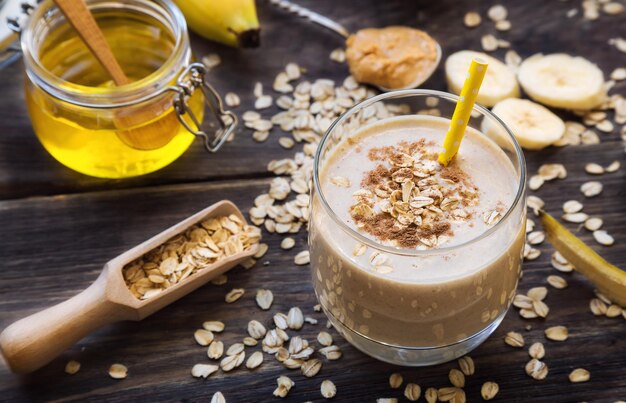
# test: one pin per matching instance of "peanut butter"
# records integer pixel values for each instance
(391, 58)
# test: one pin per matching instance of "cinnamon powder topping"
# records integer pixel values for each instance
(409, 199)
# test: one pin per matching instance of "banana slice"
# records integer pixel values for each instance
(499, 82)
(533, 125)
(562, 81)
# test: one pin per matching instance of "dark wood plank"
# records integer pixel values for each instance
(538, 26)
(53, 247)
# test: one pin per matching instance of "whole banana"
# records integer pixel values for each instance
(232, 22)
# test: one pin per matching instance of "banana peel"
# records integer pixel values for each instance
(231, 22)
(610, 280)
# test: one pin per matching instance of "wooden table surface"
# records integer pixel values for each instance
(60, 227)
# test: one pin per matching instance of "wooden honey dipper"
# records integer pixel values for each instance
(147, 137)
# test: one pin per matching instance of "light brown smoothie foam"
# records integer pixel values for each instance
(438, 297)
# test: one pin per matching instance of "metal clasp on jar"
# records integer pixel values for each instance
(192, 78)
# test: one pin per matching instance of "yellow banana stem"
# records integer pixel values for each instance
(609, 279)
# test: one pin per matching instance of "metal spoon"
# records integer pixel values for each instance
(343, 32)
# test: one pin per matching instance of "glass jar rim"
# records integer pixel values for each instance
(136, 92)
(406, 251)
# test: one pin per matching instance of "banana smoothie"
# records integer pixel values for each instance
(408, 253)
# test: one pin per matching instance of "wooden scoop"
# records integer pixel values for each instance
(150, 136)
(34, 341)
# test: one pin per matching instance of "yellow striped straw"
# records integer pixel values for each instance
(463, 110)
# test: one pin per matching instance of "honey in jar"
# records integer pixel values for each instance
(84, 120)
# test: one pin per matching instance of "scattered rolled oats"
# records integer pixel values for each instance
(594, 169)
(560, 263)
(213, 326)
(215, 350)
(232, 99)
(284, 386)
(536, 237)
(535, 203)
(536, 369)
(619, 74)
(263, 102)
(203, 370)
(395, 380)
(489, 43)
(537, 293)
(431, 395)
(211, 60)
(234, 294)
(235, 349)
(603, 238)
(331, 352)
(338, 55)
(302, 258)
(231, 362)
(328, 389)
(255, 360)
(537, 351)
(311, 367)
(557, 282)
(572, 206)
(579, 375)
(203, 337)
(295, 319)
(503, 25)
(514, 339)
(286, 142)
(264, 299)
(613, 311)
(287, 243)
(456, 378)
(598, 307)
(412, 391)
(466, 363)
(512, 59)
(256, 329)
(613, 8)
(577, 218)
(535, 182)
(72, 367)
(613, 167)
(451, 394)
(325, 339)
(497, 13)
(489, 390)
(556, 333)
(250, 341)
(220, 280)
(591, 189)
(218, 397)
(118, 371)
(472, 19)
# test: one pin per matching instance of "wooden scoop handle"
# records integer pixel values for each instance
(82, 20)
(34, 341)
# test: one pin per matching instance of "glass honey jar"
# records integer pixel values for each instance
(99, 129)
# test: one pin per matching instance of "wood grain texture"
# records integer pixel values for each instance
(54, 246)
(538, 26)
(91, 228)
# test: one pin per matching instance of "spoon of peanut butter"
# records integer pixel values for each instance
(391, 58)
